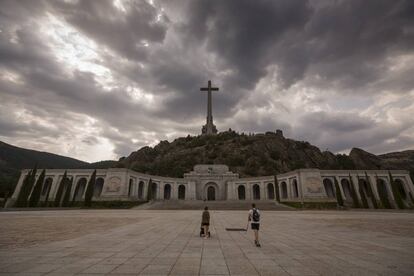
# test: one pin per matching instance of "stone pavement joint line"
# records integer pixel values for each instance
(154, 242)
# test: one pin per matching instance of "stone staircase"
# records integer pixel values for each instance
(212, 205)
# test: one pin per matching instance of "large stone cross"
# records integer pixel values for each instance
(209, 127)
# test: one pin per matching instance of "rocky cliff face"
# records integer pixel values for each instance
(254, 155)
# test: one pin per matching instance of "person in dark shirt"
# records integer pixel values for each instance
(205, 221)
(254, 219)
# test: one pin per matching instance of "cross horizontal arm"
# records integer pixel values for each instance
(209, 89)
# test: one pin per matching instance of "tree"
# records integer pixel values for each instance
(89, 189)
(355, 201)
(339, 198)
(35, 196)
(370, 192)
(383, 196)
(59, 192)
(363, 197)
(277, 189)
(66, 197)
(22, 197)
(396, 192)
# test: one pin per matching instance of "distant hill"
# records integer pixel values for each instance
(13, 159)
(249, 155)
(254, 155)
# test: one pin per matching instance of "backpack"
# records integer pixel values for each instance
(256, 215)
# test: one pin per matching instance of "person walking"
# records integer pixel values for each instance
(205, 222)
(254, 220)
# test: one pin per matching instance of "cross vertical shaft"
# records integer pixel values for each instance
(209, 128)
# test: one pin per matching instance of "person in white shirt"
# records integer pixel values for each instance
(254, 220)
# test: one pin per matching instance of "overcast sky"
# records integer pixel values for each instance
(97, 80)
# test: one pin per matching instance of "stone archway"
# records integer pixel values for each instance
(80, 189)
(241, 191)
(383, 193)
(295, 188)
(181, 192)
(97, 190)
(167, 191)
(211, 193)
(284, 190)
(399, 184)
(141, 190)
(211, 190)
(270, 191)
(346, 187)
(329, 188)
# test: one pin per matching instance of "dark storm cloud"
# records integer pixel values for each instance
(170, 49)
(124, 31)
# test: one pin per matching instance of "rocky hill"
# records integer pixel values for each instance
(254, 155)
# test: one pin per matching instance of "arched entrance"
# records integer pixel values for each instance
(295, 188)
(346, 187)
(241, 191)
(284, 190)
(383, 193)
(46, 186)
(97, 190)
(256, 192)
(270, 191)
(154, 190)
(141, 190)
(181, 192)
(211, 193)
(329, 189)
(80, 189)
(400, 188)
(167, 191)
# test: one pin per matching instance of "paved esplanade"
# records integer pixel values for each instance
(209, 127)
(167, 243)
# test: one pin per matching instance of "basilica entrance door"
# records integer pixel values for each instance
(211, 193)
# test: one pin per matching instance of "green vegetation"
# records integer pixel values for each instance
(385, 202)
(396, 193)
(59, 192)
(89, 189)
(66, 198)
(339, 198)
(363, 197)
(35, 196)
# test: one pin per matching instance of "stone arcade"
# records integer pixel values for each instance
(216, 182)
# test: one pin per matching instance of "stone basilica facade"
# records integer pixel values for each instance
(216, 182)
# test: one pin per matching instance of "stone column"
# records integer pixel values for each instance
(262, 191)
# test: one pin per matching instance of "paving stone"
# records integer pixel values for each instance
(167, 243)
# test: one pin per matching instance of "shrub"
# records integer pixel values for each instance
(396, 193)
(383, 197)
(35, 196)
(59, 192)
(89, 189)
(22, 197)
(339, 198)
(363, 197)
(66, 197)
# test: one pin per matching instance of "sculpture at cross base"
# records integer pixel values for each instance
(209, 128)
